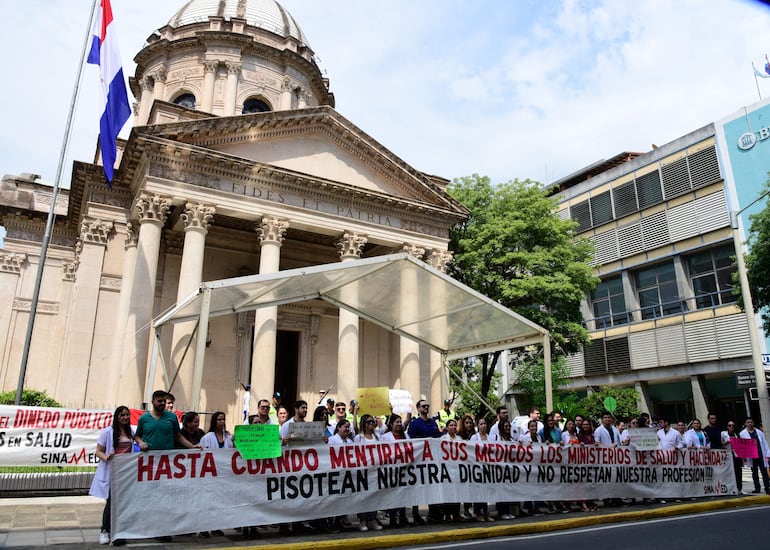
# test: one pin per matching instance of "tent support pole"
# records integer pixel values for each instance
(200, 349)
(149, 381)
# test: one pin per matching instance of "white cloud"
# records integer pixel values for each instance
(509, 89)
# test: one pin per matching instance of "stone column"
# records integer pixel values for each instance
(209, 78)
(111, 391)
(271, 234)
(159, 89)
(285, 101)
(197, 218)
(147, 83)
(409, 350)
(231, 89)
(439, 378)
(350, 246)
(152, 211)
(10, 274)
(699, 398)
(74, 368)
(301, 99)
(643, 402)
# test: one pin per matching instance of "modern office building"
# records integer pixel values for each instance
(664, 319)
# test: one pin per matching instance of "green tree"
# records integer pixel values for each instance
(515, 249)
(593, 404)
(529, 378)
(33, 398)
(466, 384)
(758, 263)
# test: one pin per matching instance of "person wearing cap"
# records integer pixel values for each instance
(274, 407)
(445, 415)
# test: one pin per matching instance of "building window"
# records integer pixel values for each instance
(608, 303)
(254, 105)
(711, 274)
(657, 291)
(186, 100)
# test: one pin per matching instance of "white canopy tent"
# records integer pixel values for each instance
(450, 317)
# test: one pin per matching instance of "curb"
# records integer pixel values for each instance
(475, 533)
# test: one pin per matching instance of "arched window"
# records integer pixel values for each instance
(254, 105)
(186, 100)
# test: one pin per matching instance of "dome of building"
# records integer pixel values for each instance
(268, 15)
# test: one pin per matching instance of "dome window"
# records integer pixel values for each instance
(185, 100)
(254, 105)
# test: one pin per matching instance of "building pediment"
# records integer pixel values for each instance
(317, 142)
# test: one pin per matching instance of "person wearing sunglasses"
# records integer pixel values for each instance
(726, 439)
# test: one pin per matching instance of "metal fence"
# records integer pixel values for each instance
(45, 483)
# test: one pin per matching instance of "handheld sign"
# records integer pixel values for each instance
(401, 401)
(255, 441)
(301, 433)
(374, 401)
(610, 403)
(744, 448)
(644, 439)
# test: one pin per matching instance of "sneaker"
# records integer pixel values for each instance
(362, 526)
(505, 517)
(104, 537)
(376, 526)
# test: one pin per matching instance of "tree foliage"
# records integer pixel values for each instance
(515, 249)
(758, 262)
(593, 404)
(529, 378)
(33, 398)
(467, 384)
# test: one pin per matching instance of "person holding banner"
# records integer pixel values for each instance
(114, 440)
(367, 435)
(158, 429)
(727, 436)
(760, 463)
(191, 427)
(395, 432)
(217, 437)
(695, 437)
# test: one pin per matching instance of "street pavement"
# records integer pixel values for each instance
(65, 523)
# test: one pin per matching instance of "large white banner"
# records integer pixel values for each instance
(166, 493)
(34, 436)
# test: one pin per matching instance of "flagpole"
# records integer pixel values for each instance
(51, 214)
(756, 82)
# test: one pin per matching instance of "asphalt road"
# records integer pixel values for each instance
(722, 529)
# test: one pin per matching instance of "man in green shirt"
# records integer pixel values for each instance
(158, 429)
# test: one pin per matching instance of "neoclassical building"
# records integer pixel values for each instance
(237, 164)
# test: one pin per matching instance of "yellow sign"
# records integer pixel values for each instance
(374, 401)
(257, 441)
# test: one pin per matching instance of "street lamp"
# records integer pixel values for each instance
(756, 354)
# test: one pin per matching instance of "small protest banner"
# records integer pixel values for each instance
(303, 433)
(401, 401)
(374, 401)
(258, 441)
(644, 439)
(744, 448)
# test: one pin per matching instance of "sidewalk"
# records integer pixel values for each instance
(64, 523)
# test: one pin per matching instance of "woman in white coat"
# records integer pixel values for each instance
(695, 437)
(114, 440)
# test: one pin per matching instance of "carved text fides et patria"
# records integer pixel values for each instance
(282, 197)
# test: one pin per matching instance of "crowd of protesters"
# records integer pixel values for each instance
(159, 429)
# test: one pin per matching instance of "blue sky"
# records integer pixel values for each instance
(521, 89)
